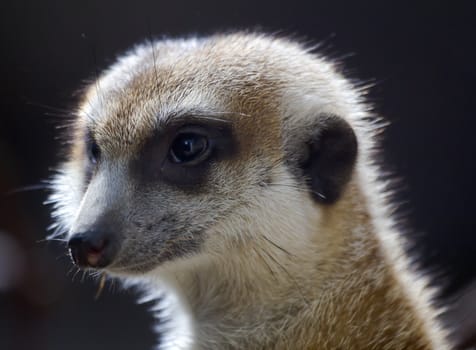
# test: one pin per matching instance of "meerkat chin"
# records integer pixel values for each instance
(236, 174)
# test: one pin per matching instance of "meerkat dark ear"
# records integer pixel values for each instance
(330, 158)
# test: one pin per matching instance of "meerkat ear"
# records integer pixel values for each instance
(329, 158)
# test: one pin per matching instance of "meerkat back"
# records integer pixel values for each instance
(233, 179)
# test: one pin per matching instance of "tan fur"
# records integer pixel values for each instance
(276, 269)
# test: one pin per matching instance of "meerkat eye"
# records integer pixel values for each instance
(189, 148)
(94, 152)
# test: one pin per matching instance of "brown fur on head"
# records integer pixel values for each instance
(274, 210)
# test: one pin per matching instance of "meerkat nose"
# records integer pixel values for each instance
(92, 249)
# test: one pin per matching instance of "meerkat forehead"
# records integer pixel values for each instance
(241, 78)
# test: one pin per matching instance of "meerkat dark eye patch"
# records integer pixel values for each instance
(181, 154)
(331, 154)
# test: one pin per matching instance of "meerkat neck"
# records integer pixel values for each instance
(241, 295)
(260, 294)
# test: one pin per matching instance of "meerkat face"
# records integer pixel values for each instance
(182, 145)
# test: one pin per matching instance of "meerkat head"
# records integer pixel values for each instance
(185, 147)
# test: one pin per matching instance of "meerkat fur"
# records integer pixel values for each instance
(283, 238)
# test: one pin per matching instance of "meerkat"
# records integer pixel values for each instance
(233, 179)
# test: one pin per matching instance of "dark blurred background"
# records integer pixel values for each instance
(420, 55)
